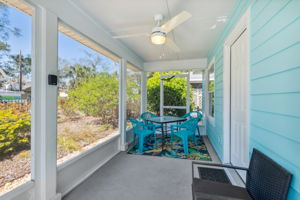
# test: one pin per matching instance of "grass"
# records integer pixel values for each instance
(24, 154)
(74, 140)
(104, 127)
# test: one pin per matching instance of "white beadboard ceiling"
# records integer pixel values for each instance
(195, 37)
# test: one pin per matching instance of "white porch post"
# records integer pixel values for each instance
(144, 92)
(122, 104)
(44, 105)
(188, 101)
(161, 96)
(204, 102)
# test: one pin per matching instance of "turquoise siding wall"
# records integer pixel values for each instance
(274, 82)
(215, 133)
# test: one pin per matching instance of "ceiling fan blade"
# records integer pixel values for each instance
(130, 35)
(171, 44)
(175, 21)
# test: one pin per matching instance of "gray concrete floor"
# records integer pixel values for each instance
(138, 177)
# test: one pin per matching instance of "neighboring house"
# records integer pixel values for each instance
(196, 82)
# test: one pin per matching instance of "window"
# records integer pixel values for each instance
(133, 93)
(196, 84)
(211, 90)
(15, 95)
(88, 96)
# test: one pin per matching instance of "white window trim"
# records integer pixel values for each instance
(210, 118)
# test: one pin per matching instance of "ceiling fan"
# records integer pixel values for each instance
(158, 35)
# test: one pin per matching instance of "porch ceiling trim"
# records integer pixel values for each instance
(189, 64)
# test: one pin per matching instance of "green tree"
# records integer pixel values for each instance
(97, 96)
(6, 29)
(133, 94)
(12, 68)
(76, 74)
(175, 92)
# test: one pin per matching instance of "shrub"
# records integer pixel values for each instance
(97, 96)
(67, 107)
(14, 124)
(174, 94)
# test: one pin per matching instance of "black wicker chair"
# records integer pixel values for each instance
(265, 180)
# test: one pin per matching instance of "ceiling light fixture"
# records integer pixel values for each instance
(158, 37)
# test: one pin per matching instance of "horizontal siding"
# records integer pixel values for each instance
(281, 42)
(284, 19)
(284, 103)
(271, 140)
(282, 82)
(274, 7)
(278, 63)
(275, 84)
(258, 9)
(214, 139)
(284, 126)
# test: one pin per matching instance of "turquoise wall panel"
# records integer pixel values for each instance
(282, 103)
(279, 63)
(278, 124)
(274, 82)
(283, 82)
(284, 40)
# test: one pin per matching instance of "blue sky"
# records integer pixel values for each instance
(68, 48)
(23, 22)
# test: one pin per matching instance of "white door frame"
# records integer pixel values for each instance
(162, 106)
(241, 26)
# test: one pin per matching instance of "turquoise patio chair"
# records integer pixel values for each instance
(194, 115)
(147, 115)
(185, 131)
(142, 131)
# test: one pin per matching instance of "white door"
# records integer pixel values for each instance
(239, 137)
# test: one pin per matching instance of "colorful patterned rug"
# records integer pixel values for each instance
(195, 153)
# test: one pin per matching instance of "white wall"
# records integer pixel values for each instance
(175, 65)
(76, 170)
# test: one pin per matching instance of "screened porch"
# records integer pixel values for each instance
(138, 99)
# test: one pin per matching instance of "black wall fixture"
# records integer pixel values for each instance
(52, 79)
